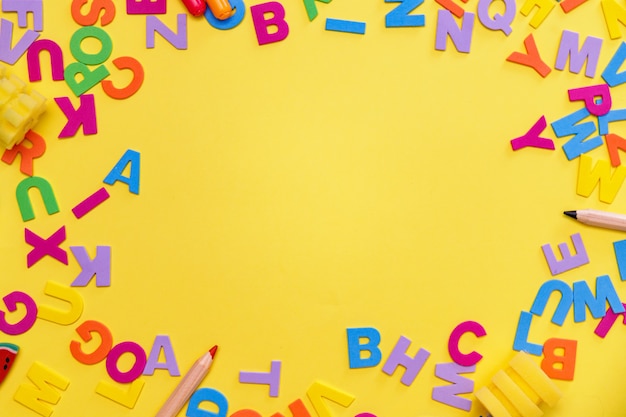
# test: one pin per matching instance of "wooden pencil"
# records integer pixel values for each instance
(187, 385)
(599, 218)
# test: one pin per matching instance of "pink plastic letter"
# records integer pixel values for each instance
(453, 343)
(261, 24)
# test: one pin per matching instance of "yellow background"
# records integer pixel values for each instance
(293, 190)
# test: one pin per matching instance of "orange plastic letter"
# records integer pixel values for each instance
(91, 18)
(567, 359)
(125, 62)
(84, 331)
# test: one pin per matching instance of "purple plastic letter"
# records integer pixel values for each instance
(569, 261)
(590, 52)
(99, 266)
(448, 394)
(272, 378)
(446, 26)
(398, 357)
(178, 40)
(9, 54)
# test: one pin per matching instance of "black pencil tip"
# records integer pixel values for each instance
(572, 213)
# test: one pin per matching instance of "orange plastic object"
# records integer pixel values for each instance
(85, 331)
(125, 62)
(221, 9)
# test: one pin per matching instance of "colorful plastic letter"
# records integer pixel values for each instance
(91, 32)
(91, 18)
(610, 116)
(99, 266)
(565, 303)
(231, 22)
(277, 21)
(311, 8)
(590, 176)
(319, 390)
(26, 323)
(579, 144)
(589, 52)
(33, 57)
(64, 293)
(36, 149)
(9, 54)
(86, 331)
(614, 144)
(178, 39)
(88, 78)
(346, 26)
(355, 347)
(146, 6)
(569, 5)
(613, 14)
(207, 394)
(135, 67)
(465, 359)
(449, 394)
(588, 95)
(620, 256)
(297, 408)
(610, 74)
(132, 158)
(607, 322)
(569, 261)
(398, 357)
(162, 342)
(461, 36)
(135, 371)
(272, 378)
(605, 292)
(567, 360)
(498, 21)
(43, 247)
(401, 16)
(23, 199)
(532, 138)
(35, 396)
(23, 7)
(126, 395)
(91, 202)
(531, 58)
(544, 7)
(521, 342)
(84, 115)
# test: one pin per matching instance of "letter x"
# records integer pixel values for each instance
(43, 247)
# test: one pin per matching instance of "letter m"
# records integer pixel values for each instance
(35, 396)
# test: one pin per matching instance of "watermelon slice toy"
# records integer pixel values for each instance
(8, 352)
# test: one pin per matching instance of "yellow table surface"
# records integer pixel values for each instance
(293, 190)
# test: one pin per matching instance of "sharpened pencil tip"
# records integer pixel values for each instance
(213, 350)
(572, 213)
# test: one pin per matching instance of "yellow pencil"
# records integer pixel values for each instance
(187, 385)
(599, 218)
